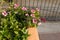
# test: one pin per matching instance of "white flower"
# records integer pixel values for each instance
(4, 13)
(32, 15)
(26, 14)
(39, 23)
(35, 21)
(33, 11)
(37, 9)
(16, 6)
(24, 8)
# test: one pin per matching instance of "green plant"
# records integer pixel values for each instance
(15, 20)
(8, 0)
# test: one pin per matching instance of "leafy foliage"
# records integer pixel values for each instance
(15, 20)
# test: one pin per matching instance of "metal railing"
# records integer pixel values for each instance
(49, 9)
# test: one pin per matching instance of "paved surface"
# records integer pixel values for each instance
(51, 36)
(49, 27)
(49, 31)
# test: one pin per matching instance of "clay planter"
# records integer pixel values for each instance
(33, 34)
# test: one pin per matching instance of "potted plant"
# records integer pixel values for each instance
(19, 23)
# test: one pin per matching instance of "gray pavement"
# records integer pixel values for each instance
(49, 31)
(49, 27)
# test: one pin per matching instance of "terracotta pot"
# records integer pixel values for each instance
(33, 34)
